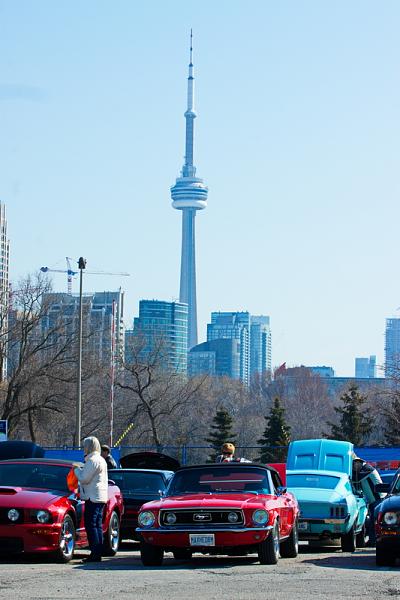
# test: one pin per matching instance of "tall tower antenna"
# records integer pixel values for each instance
(189, 194)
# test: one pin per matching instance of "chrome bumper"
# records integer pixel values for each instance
(201, 531)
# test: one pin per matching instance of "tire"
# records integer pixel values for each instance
(384, 557)
(182, 554)
(151, 556)
(290, 547)
(112, 537)
(66, 542)
(268, 550)
(361, 537)
(348, 541)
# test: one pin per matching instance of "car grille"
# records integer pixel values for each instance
(4, 520)
(11, 544)
(201, 517)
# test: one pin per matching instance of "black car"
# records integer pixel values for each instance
(387, 523)
(138, 486)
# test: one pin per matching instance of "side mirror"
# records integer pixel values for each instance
(382, 487)
(281, 490)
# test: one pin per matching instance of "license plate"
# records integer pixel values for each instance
(202, 540)
(303, 526)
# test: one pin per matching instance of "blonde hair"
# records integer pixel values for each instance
(91, 444)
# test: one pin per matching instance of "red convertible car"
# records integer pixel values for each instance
(226, 508)
(39, 514)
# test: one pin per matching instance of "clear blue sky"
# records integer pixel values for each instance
(297, 137)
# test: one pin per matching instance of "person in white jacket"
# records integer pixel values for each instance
(93, 484)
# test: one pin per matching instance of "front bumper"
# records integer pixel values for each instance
(224, 537)
(29, 537)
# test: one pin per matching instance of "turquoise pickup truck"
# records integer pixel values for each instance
(331, 507)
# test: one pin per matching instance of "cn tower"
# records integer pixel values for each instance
(189, 194)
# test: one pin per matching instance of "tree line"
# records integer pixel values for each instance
(160, 408)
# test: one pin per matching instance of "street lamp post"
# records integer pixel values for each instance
(81, 266)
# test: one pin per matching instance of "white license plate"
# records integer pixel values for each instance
(202, 540)
(303, 526)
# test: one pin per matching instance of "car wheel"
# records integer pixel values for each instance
(182, 554)
(361, 537)
(290, 547)
(268, 550)
(348, 540)
(383, 557)
(112, 536)
(66, 542)
(151, 556)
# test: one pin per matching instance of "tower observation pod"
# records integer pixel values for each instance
(189, 194)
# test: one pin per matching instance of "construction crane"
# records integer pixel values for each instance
(70, 273)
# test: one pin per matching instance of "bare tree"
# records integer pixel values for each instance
(155, 395)
(39, 359)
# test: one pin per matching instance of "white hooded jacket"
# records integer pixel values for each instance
(93, 478)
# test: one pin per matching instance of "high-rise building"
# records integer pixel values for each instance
(102, 323)
(219, 357)
(189, 194)
(260, 345)
(236, 326)
(4, 289)
(163, 327)
(392, 346)
(365, 368)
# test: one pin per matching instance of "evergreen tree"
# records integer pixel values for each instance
(392, 424)
(355, 423)
(276, 436)
(221, 432)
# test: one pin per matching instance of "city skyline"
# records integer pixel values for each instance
(298, 141)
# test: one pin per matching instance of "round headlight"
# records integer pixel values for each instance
(390, 518)
(43, 516)
(170, 518)
(260, 517)
(146, 518)
(13, 514)
(233, 517)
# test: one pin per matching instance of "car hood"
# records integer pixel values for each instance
(390, 503)
(208, 501)
(315, 495)
(28, 497)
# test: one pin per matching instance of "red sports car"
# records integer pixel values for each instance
(226, 508)
(39, 514)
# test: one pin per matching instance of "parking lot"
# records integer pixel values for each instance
(323, 574)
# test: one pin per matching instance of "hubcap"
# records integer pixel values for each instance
(67, 539)
(114, 532)
(276, 539)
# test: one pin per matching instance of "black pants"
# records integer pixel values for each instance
(93, 519)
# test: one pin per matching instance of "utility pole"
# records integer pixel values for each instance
(81, 266)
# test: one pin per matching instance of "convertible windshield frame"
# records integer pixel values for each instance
(220, 480)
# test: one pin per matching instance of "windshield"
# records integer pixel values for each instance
(50, 477)
(137, 483)
(326, 482)
(220, 479)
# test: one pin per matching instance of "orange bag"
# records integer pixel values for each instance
(72, 480)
